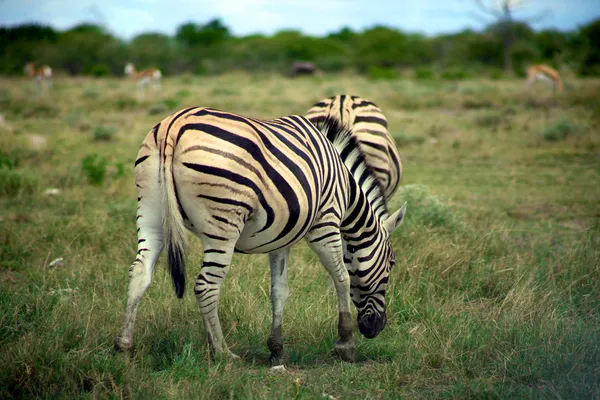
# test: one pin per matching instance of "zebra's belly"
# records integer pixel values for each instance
(254, 240)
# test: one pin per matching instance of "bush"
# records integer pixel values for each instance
(558, 130)
(95, 168)
(182, 94)
(455, 74)
(40, 110)
(8, 160)
(125, 103)
(172, 103)
(17, 181)
(403, 139)
(426, 210)
(423, 73)
(490, 120)
(90, 93)
(104, 133)
(99, 70)
(158, 108)
(496, 74)
(375, 73)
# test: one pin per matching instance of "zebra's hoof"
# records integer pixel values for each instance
(346, 351)
(122, 345)
(275, 361)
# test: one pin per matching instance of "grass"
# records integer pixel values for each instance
(495, 293)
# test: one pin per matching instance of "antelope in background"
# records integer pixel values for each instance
(544, 73)
(42, 76)
(144, 77)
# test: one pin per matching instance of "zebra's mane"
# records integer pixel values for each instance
(346, 144)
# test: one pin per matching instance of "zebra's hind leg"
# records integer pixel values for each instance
(150, 244)
(279, 293)
(332, 258)
(215, 265)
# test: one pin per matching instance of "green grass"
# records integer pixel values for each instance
(495, 292)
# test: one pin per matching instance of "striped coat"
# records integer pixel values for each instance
(369, 126)
(252, 186)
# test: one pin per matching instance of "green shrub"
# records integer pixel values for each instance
(172, 103)
(90, 93)
(95, 168)
(558, 130)
(40, 110)
(490, 120)
(125, 103)
(496, 74)
(99, 70)
(424, 73)
(103, 133)
(375, 73)
(182, 94)
(411, 104)
(8, 160)
(14, 182)
(455, 74)
(158, 108)
(403, 139)
(474, 104)
(426, 210)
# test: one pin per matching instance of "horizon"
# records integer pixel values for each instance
(269, 16)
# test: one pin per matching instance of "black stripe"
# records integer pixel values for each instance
(240, 180)
(140, 160)
(214, 251)
(325, 236)
(363, 103)
(226, 201)
(208, 235)
(213, 264)
(375, 120)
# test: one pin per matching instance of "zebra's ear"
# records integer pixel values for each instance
(395, 220)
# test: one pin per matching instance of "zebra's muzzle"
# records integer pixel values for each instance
(371, 324)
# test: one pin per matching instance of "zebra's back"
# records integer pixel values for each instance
(257, 182)
(369, 126)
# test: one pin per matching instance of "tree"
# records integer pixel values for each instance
(590, 34)
(503, 12)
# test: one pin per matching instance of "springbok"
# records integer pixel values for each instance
(544, 73)
(144, 77)
(41, 76)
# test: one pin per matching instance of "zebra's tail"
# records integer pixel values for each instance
(173, 227)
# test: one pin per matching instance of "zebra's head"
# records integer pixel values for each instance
(370, 266)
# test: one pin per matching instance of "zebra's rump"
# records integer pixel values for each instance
(369, 126)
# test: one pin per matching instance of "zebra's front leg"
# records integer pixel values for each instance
(217, 259)
(332, 258)
(279, 293)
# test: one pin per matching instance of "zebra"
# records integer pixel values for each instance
(255, 186)
(369, 126)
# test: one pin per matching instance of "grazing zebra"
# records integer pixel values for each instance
(544, 73)
(369, 126)
(252, 186)
(41, 76)
(145, 77)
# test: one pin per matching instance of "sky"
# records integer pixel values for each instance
(127, 18)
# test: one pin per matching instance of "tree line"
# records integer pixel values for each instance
(379, 51)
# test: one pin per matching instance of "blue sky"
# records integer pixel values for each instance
(126, 18)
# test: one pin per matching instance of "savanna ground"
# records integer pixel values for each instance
(496, 291)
